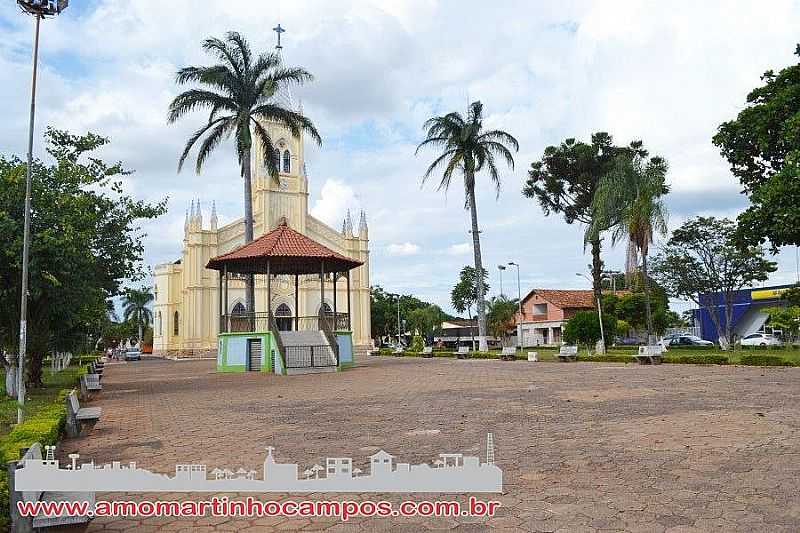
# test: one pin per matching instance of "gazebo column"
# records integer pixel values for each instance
(349, 324)
(321, 311)
(269, 297)
(335, 313)
(227, 314)
(219, 303)
(296, 302)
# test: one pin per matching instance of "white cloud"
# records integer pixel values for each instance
(404, 248)
(336, 198)
(459, 249)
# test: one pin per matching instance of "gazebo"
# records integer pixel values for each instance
(251, 340)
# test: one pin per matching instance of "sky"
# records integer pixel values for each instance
(667, 73)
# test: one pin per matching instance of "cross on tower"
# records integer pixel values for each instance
(278, 29)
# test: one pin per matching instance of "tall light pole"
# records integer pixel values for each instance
(519, 304)
(599, 314)
(39, 9)
(501, 268)
(398, 317)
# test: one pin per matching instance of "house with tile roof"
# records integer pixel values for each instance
(544, 312)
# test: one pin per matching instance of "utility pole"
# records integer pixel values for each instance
(39, 9)
(599, 315)
(501, 268)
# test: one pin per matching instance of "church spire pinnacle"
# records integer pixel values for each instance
(362, 226)
(214, 220)
(348, 225)
(199, 215)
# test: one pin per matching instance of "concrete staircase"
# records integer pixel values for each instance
(299, 343)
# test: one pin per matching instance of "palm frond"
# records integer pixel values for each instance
(242, 48)
(195, 137)
(267, 149)
(193, 99)
(221, 131)
(500, 137)
(295, 122)
(221, 49)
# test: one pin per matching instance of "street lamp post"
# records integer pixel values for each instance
(39, 9)
(519, 304)
(599, 315)
(397, 296)
(501, 268)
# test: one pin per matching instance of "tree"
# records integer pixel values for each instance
(566, 179)
(792, 296)
(583, 328)
(469, 149)
(384, 312)
(787, 319)
(762, 145)
(85, 240)
(135, 308)
(426, 320)
(241, 93)
(465, 293)
(702, 262)
(501, 315)
(629, 201)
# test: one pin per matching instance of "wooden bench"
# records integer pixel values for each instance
(509, 353)
(427, 351)
(28, 523)
(78, 417)
(90, 383)
(567, 353)
(649, 355)
(463, 352)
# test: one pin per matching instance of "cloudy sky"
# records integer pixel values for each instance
(664, 72)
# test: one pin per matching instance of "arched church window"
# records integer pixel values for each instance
(283, 318)
(277, 158)
(238, 309)
(325, 309)
(287, 161)
(175, 324)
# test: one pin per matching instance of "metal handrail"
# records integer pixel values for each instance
(325, 323)
(273, 328)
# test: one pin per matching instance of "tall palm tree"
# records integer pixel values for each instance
(469, 149)
(135, 307)
(241, 93)
(629, 199)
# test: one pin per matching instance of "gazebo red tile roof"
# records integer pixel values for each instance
(287, 252)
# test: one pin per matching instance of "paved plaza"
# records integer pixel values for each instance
(583, 447)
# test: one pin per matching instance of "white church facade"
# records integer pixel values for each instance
(186, 311)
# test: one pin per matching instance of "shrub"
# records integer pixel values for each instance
(764, 360)
(45, 427)
(696, 359)
(416, 344)
(606, 358)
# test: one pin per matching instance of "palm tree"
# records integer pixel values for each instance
(469, 149)
(629, 200)
(135, 307)
(241, 93)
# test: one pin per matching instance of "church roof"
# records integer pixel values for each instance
(287, 251)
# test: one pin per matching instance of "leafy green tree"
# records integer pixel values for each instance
(384, 313)
(583, 328)
(467, 148)
(464, 295)
(566, 180)
(241, 94)
(136, 308)
(787, 319)
(792, 295)
(702, 262)
(762, 145)
(426, 320)
(85, 240)
(501, 312)
(629, 201)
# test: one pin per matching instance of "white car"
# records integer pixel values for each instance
(760, 339)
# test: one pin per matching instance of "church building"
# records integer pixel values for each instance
(187, 303)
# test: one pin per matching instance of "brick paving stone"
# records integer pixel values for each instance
(583, 447)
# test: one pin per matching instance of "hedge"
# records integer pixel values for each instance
(764, 360)
(696, 359)
(606, 358)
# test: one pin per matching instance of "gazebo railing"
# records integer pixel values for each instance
(259, 321)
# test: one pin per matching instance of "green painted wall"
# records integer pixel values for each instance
(232, 351)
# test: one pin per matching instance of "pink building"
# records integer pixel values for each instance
(544, 312)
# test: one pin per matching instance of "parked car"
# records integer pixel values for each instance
(686, 340)
(133, 354)
(761, 339)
